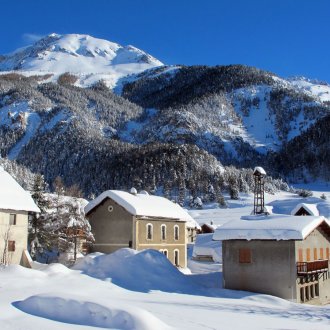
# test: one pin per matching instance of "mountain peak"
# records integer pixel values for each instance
(78, 53)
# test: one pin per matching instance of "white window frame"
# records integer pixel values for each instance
(178, 228)
(161, 232)
(164, 252)
(147, 231)
(178, 252)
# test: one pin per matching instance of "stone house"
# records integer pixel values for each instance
(282, 255)
(140, 221)
(15, 206)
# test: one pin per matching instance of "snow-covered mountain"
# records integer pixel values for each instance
(315, 88)
(157, 125)
(90, 59)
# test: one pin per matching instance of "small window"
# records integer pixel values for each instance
(165, 252)
(316, 289)
(311, 289)
(176, 257)
(308, 254)
(176, 232)
(163, 232)
(12, 219)
(315, 253)
(302, 294)
(149, 231)
(244, 256)
(11, 246)
(306, 292)
(300, 255)
(327, 253)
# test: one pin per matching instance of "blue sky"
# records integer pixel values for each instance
(288, 37)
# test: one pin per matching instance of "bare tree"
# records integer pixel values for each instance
(5, 237)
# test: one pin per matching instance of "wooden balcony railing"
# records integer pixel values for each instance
(311, 267)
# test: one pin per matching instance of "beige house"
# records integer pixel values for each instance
(140, 221)
(282, 255)
(15, 206)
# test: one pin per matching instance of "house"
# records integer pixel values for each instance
(206, 249)
(15, 206)
(305, 209)
(140, 221)
(208, 228)
(282, 255)
(302, 206)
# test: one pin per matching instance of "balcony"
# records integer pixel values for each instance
(312, 267)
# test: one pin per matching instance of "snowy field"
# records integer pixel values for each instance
(142, 290)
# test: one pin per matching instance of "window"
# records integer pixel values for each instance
(12, 219)
(307, 292)
(176, 232)
(176, 257)
(316, 289)
(308, 254)
(149, 231)
(315, 253)
(327, 254)
(302, 294)
(163, 232)
(11, 246)
(300, 255)
(244, 256)
(311, 293)
(165, 252)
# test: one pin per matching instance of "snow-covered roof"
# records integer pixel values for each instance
(13, 196)
(260, 170)
(205, 246)
(273, 227)
(310, 208)
(144, 205)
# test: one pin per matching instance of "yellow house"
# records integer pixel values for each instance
(140, 221)
(15, 205)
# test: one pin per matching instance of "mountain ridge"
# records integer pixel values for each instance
(189, 122)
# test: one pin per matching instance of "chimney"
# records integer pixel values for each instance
(133, 191)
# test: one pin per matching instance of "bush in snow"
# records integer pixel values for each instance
(196, 203)
(305, 193)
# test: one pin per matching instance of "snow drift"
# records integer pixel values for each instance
(88, 313)
(141, 271)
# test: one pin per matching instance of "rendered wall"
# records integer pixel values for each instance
(112, 227)
(170, 244)
(272, 269)
(17, 233)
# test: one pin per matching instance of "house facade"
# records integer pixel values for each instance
(15, 206)
(285, 256)
(140, 221)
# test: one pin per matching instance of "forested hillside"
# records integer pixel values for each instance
(174, 130)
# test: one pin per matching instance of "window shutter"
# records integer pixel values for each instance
(11, 246)
(245, 256)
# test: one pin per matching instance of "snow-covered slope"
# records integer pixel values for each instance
(54, 297)
(91, 59)
(314, 88)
